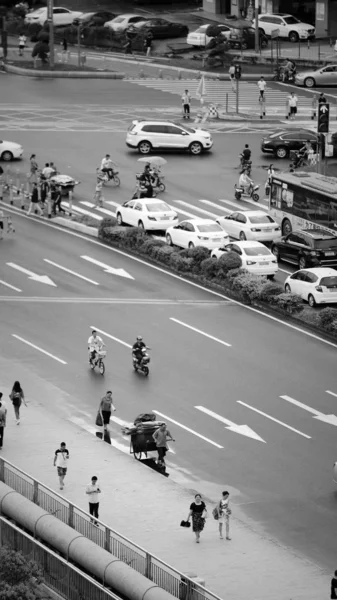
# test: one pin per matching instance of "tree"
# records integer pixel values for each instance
(20, 579)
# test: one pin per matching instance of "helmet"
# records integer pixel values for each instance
(139, 338)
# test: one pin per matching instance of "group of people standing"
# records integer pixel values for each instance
(43, 188)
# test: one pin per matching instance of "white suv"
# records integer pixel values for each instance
(148, 135)
(288, 26)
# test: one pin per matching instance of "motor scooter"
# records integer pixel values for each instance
(141, 364)
(241, 193)
(114, 177)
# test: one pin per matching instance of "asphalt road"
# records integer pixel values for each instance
(206, 352)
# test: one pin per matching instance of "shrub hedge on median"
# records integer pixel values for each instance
(225, 273)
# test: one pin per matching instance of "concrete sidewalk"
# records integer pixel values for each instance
(146, 507)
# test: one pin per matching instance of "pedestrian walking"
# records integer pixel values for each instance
(106, 407)
(334, 587)
(186, 101)
(93, 490)
(292, 103)
(98, 196)
(161, 436)
(56, 198)
(261, 84)
(65, 44)
(44, 187)
(224, 513)
(34, 205)
(17, 397)
(60, 462)
(22, 44)
(148, 40)
(198, 512)
(128, 44)
(34, 167)
(3, 418)
(322, 99)
(231, 72)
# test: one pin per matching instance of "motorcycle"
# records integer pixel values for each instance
(284, 76)
(157, 180)
(297, 160)
(142, 363)
(142, 189)
(246, 165)
(98, 361)
(114, 177)
(251, 193)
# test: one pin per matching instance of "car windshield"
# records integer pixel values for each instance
(159, 207)
(329, 281)
(327, 243)
(291, 20)
(261, 219)
(119, 20)
(201, 29)
(210, 228)
(254, 251)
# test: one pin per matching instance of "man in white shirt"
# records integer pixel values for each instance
(93, 490)
(186, 101)
(292, 102)
(22, 43)
(107, 165)
(95, 343)
(60, 461)
(47, 171)
(261, 84)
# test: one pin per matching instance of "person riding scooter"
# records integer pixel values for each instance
(245, 182)
(301, 157)
(95, 344)
(108, 166)
(146, 183)
(137, 348)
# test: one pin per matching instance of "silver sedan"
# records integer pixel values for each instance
(324, 76)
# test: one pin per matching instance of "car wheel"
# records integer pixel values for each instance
(293, 37)
(144, 147)
(242, 236)
(195, 148)
(309, 82)
(191, 245)
(311, 301)
(7, 156)
(169, 239)
(287, 288)
(276, 252)
(119, 219)
(302, 263)
(281, 152)
(141, 225)
(286, 227)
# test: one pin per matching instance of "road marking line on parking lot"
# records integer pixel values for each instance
(12, 287)
(111, 336)
(188, 429)
(273, 419)
(331, 393)
(50, 262)
(63, 362)
(211, 337)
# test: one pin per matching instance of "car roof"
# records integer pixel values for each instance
(248, 244)
(127, 15)
(199, 221)
(276, 15)
(294, 130)
(321, 271)
(317, 234)
(251, 213)
(150, 200)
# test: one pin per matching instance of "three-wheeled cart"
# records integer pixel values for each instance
(141, 440)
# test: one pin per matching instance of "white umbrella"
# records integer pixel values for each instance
(158, 161)
(201, 89)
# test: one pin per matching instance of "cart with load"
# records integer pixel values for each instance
(141, 440)
(65, 182)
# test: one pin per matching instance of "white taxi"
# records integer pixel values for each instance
(251, 225)
(255, 257)
(197, 232)
(147, 213)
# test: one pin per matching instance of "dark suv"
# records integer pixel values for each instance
(244, 38)
(307, 248)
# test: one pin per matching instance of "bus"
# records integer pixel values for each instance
(302, 200)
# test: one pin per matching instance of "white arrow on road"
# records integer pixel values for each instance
(38, 278)
(332, 419)
(107, 268)
(242, 429)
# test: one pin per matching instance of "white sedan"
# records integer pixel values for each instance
(10, 150)
(199, 37)
(251, 225)
(197, 232)
(122, 22)
(61, 16)
(316, 286)
(255, 257)
(148, 213)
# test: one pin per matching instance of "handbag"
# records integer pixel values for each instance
(99, 419)
(215, 513)
(185, 524)
(204, 514)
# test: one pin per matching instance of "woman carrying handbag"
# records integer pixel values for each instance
(198, 512)
(224, 513)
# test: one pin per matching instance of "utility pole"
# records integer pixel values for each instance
(257, 31)
(50, 14)
(4, 36)
(79, 44)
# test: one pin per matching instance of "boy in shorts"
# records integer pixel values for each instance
(60, 461)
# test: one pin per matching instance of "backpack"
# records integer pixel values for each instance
(215, 513)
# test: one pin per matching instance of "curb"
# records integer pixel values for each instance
(91, 231)
(62, 74)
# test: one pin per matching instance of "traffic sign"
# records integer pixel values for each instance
(323, 118)
(274, 33)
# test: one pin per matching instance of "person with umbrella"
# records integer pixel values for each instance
(152, 168)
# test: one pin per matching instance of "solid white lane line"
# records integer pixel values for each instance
(111, 336)
(50, 262)
(273, 419)
(211, 337)
(187, 429)
(331, 393)
(12, 287)
(63, 362)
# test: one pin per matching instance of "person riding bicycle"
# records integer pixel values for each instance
(245, 182)
(137, 348)
(303, 153)
(246, 155)
(108, 166)
(95, 344)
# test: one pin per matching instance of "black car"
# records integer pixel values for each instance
(160, 29)
(281, 143)
(244, 38)
(94, 19)
(307, 248)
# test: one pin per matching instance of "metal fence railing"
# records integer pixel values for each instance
(58, 574)
(139, 559)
